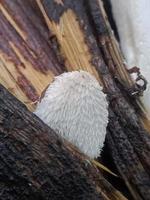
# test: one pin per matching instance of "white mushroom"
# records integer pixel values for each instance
(75, 106)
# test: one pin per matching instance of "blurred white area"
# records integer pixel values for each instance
(132, 18)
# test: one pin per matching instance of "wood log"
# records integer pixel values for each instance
(36, 164)
(79, 37)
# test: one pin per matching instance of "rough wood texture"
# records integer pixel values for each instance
(36, 164)
(128, 141)
(27, 61)
(81, 38)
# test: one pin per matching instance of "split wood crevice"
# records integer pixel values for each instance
(41, 39)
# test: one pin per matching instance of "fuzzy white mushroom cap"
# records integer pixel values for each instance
(76, 108)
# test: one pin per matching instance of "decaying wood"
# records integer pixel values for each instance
(79, 37)
(36, 164)
(127, 139)
(27, 61)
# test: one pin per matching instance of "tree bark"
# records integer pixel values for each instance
(36, 164)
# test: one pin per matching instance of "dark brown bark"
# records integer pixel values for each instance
(36, 164)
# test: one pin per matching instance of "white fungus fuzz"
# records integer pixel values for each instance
(132, 18)
(76, 108)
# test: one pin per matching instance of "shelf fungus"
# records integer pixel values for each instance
(75, 106)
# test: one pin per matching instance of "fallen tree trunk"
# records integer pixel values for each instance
(36, 164)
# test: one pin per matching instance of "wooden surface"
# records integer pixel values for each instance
(43, 38)
(128, 141)
(36, 164)
(27, 61)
